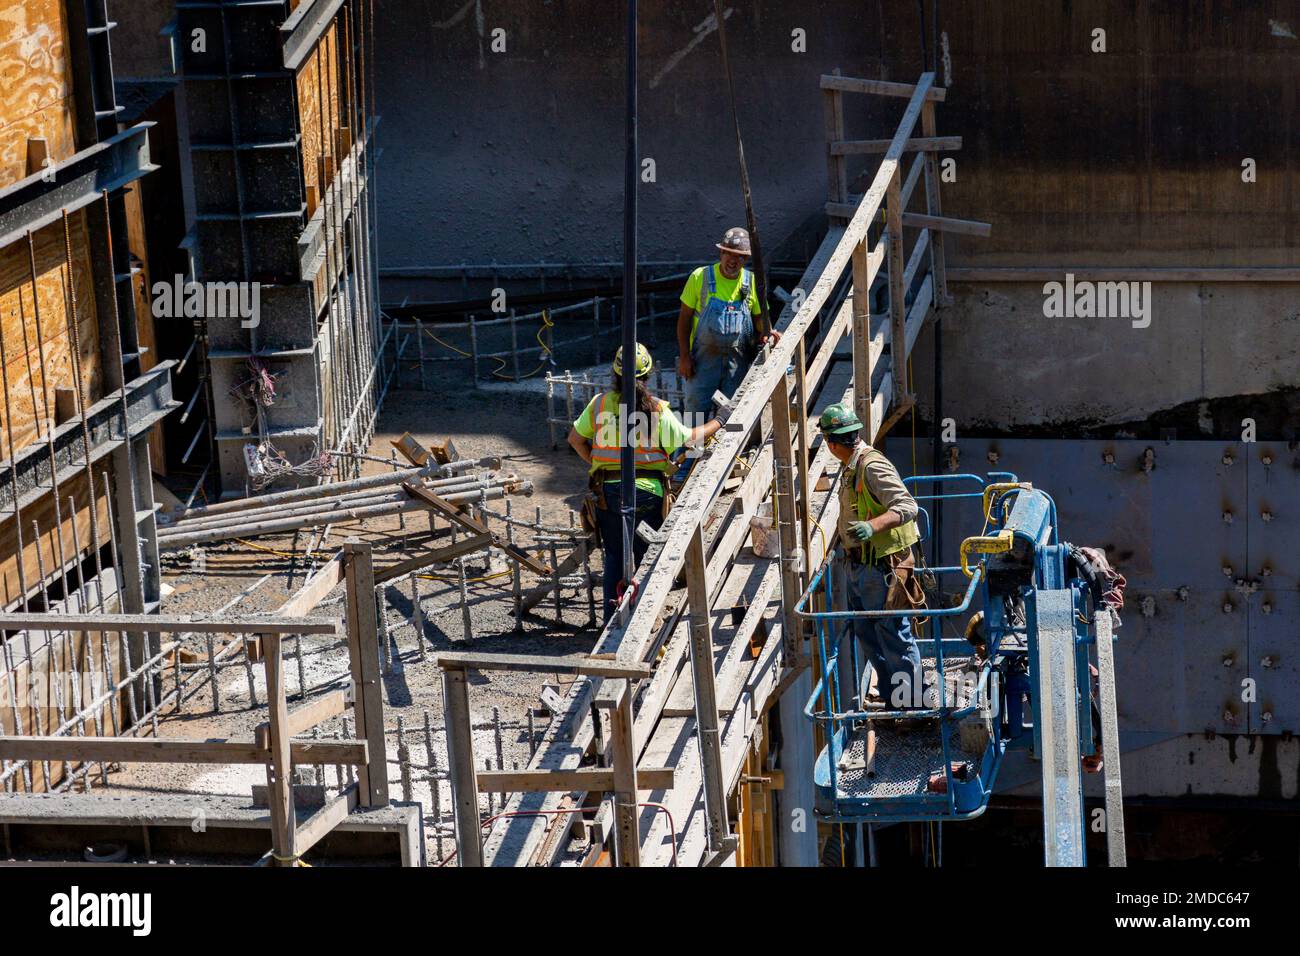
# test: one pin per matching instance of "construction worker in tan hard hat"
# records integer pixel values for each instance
(657, 433)
(877, 528)
(716, 337)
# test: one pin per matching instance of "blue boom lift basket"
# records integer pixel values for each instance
(879, 761)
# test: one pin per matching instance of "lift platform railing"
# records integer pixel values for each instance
(941, 703)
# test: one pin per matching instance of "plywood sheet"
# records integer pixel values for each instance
(319, 105)
(35, 84)
(29, 398)
(45, 552)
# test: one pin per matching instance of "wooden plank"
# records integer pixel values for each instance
(437, 556)
(786, 507)
(627, 838)
(461, 765)
(30, 403)
(918, 256)
(279, 768)
(897, 305)
(363, 657)
(36, 98)
(862, 360)
(317, 826)
(934, 207)
(567, 566)
(965, 227)
(706, 699)
(473, 525)
(836, 168)
(174, 750)
(303, 718)
(166, 623)
(315, 589)
(42, 511)
(1116, 850)
(850, 84)
(582, 780)
(927, 143)
(586, 666)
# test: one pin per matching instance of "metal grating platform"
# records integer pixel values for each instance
(905, 759)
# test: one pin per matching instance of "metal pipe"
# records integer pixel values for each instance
(181, 540)
(316, 492)
(326, 504)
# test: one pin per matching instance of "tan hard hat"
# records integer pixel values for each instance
(736, 240)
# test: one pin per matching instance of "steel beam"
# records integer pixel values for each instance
(304, 28)
(41, 199)
(148, 401)
(1058, 692)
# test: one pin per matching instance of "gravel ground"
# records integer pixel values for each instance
(506, 421)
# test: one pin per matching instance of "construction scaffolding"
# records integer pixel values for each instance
(708, 720)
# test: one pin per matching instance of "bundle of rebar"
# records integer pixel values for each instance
(372, 496)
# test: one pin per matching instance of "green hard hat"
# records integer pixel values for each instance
(643, 361)
(838, 419)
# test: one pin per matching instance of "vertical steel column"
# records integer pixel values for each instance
(1057, 715)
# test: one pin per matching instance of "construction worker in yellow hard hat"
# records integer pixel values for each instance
(877, 529)
(597, 438)
(716, 338)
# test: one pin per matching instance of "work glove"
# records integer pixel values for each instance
(861, 530)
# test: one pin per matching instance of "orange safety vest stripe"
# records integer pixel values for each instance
(605, 455)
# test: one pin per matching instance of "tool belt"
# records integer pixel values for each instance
(595, 498)
(904, 591)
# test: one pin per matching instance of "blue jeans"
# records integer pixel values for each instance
(886, 643)
(650, 509)
(721, 348)
(713, 373)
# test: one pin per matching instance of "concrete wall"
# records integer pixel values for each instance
(518, 156)
(1130, 157)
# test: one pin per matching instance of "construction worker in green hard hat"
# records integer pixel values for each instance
(597, 437)
(876, 531)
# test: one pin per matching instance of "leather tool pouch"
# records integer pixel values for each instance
(595, 498)
(905, 591)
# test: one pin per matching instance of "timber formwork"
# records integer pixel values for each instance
(716, 673)
(77, 525)
(363, 803)
(280, 125)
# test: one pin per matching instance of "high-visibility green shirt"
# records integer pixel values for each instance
(726, 289)
(670, 431)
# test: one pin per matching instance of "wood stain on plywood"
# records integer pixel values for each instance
(35, 84)
(30, 402)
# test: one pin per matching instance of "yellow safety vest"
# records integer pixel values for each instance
(606, 451)
(882, 543)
